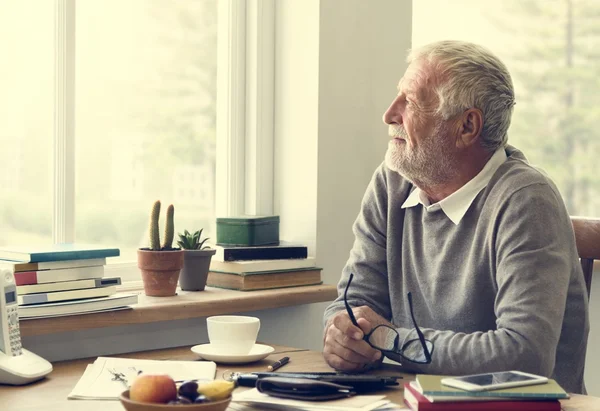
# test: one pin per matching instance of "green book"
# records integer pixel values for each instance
(431, 386)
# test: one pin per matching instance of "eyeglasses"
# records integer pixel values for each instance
(386, 339)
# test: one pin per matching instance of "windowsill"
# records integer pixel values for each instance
(186, 304)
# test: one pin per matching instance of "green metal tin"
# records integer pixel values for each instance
(248, 230)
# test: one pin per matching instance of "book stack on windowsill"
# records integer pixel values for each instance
(427, 393)
(250, 257)
(249, 275)
(63, 279)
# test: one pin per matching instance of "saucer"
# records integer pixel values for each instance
(212, 353)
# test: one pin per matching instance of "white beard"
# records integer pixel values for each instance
(431, 163)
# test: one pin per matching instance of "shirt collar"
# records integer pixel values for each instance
(456, 204)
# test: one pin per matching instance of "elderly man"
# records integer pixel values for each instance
(457, 233)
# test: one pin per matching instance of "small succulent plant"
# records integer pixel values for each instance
(189, 241)
(169, 228)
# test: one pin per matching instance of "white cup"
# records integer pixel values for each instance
(233, 334)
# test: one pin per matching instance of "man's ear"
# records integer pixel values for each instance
(470, 127)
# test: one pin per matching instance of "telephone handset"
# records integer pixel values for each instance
(17, 365)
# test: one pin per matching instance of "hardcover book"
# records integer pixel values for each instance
(67, 285)
(51, 265)
(40, 298)
(261, 265)
(431, 387)
(417, 402)
(264, 280)
(60, 274)
(56, 252)
(283, 251)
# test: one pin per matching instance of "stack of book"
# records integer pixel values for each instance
(248, 268)
(427, 393)
(63, 279)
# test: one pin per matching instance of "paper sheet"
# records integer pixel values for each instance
(355, 403)
(238, 406)
(99, 382)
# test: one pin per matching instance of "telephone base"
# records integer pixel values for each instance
(22, 369)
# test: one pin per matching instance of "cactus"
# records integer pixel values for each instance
(169, 228)
(154, 234)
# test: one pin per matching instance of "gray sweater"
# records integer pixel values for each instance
(502, 290)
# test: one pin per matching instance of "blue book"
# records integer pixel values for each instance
(56, 252)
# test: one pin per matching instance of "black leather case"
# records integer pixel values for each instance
(360, 383)
(302, 389)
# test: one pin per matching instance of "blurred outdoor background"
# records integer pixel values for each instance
(144, 118)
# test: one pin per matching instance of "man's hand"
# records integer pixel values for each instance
(344, 348)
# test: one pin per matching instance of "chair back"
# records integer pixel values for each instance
(587, 237)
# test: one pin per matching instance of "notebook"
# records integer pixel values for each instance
(431, 387)
(98, 382)
(56, 296)
(418, 402)
(86, 305)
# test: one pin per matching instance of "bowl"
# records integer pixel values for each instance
(131, 405)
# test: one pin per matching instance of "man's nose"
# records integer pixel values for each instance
(393, 115)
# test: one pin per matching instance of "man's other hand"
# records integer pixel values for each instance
(344, 348)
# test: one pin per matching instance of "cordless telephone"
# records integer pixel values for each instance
(17, 365)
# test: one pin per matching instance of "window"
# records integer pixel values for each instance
(549, 48)
(26, 84)
(112, 105)
(145, 117)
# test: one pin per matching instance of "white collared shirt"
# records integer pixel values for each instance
(456, 204)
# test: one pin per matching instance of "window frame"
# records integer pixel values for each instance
(245, 93)
(63, 224)
(245, 116)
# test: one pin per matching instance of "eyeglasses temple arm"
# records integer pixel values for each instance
(348, 309)
(419, 332)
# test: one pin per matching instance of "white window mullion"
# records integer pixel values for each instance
(64, 122)
(260, 49)
(231, 115)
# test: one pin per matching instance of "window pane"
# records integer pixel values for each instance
(145, 118)
(26, 128)
(550, 48)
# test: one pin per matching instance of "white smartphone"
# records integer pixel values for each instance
(494, 380)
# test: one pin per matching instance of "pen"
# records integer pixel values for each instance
(278, 364)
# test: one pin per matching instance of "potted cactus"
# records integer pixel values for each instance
(196, 261)
(160, 264)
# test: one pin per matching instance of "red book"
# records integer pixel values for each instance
(417, 402)
(26, 278)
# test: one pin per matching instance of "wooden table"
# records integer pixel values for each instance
(50, 394)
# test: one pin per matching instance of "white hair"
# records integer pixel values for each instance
(470, 76)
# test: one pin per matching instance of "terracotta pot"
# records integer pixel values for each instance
(196, 264)
(160, 271)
